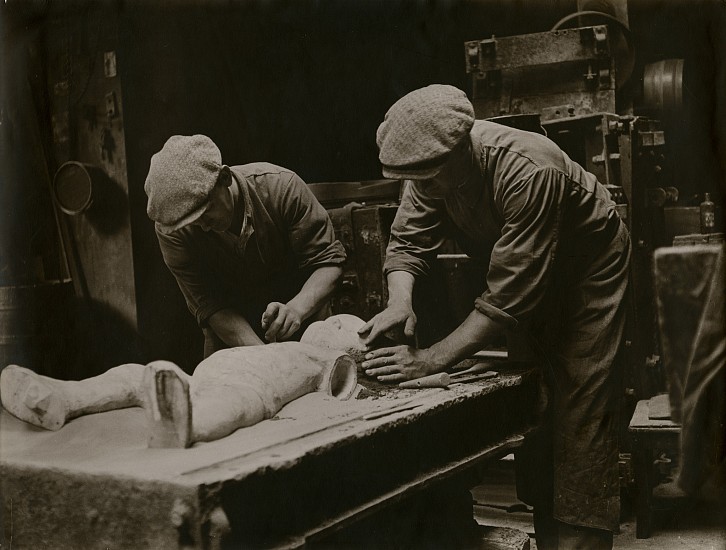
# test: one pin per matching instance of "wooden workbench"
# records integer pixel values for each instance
(318, 467)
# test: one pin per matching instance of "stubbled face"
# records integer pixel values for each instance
(218, 215)
(455, 173)
(339, 332)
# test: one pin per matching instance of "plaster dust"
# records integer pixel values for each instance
(115, 442)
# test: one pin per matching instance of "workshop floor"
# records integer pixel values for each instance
(678, 523)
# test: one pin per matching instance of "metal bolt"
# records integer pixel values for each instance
(615, 126)
(180, 513)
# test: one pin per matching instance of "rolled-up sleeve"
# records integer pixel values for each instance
(201, 296)
(521, 263)
(416, 233)
(310, 230)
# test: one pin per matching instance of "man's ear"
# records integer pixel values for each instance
(225, 176)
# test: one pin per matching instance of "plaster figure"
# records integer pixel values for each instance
(231, 389)
(558, 257)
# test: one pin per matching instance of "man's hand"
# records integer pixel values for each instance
(400, 363)
(280, 322)
(397, 314)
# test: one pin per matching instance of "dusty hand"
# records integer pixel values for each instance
(280, 322)
(399, 363)
(394, 315)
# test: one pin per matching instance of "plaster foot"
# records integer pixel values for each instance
(167, 405)
(33, 398)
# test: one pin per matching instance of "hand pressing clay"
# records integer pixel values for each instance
(231, 389)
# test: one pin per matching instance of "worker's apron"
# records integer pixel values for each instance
(571, 466)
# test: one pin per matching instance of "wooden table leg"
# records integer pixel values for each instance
(643, 458)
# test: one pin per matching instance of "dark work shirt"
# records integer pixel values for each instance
(286, 235)
(530, 204)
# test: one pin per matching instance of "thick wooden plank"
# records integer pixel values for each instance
(314, 467)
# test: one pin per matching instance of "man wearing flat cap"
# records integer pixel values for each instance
(252, 250)
(558, 259)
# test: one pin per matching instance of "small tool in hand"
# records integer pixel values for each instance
(438, 380)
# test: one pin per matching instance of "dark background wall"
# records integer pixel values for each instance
(303, 84)
(300, 84)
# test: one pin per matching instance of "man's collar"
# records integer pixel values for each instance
(242, 216)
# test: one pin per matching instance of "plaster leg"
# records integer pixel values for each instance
(179, 415)
(49, 403)
(240, 387)
(168, 405)
(236, 388)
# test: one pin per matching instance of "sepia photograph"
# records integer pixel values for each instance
(362, 274)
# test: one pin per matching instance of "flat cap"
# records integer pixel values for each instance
(420, 130)
(180, 179)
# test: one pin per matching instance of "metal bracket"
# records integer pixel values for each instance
(600, 33)
(651, 138)
(478, 54)
(600, 159)
(605, 78)
(487, 48)
(472, 57)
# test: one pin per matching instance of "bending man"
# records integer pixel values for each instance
(558, 272)
(252, 250)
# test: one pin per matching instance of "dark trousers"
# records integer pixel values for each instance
(569, 471)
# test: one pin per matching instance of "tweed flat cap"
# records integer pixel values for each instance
(180, 179)
(420, 130)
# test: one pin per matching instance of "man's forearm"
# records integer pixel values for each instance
(475, 333)
(316, 291)
(400, 287)
(233, 329)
